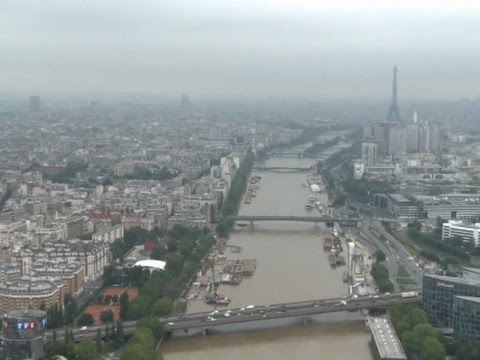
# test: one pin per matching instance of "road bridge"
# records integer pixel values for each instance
(298, 154)
(312, 219)
(299, 309)
(281, 169)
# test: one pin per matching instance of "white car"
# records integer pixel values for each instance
(83, 328)
(171, 323)
(213, 312)
(249, 307)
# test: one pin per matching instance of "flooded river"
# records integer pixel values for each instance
(291, 266)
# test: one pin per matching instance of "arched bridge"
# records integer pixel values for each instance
(299, 309)
(281, 169)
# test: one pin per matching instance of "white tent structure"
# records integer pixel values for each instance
(151, 264)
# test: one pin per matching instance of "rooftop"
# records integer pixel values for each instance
(452, 279)
(399, 198)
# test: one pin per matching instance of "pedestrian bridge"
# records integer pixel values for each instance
(300, 309)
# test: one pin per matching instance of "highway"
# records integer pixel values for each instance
(300, 309)
(404, 257)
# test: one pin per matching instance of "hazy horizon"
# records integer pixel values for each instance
(253, 50)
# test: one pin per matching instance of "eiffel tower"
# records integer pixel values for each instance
(393, 112)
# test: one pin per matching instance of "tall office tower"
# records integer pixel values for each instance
(393, 112)
(397, 140)
(412, 137)
(369, 153)
(368, 132)
(434, 131)
(34, 102)
(185, 103)
(424, 138)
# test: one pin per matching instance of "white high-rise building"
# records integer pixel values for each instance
(369, 154)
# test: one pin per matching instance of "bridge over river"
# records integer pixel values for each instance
(300, 309)
(312, 219)
(282, 169)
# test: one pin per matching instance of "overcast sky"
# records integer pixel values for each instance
(209, 49)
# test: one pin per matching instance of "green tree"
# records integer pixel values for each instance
(60, 348)
(380, 256)
(163, 307)
(401, 327)
(118, 338)
(432, 349)
(85, 319)
(174, 263)
(106, 316)
(140, 307)
(85, 350)
(98, 340)
(108, 275)
(411, 343)
(416, 317)
(222, 229)
(154, 325)
(118, 250)
(137, 352)
(71, 309)
(124, 302)
(468, 351)
(424, 330)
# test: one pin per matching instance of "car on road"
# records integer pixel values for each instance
(83, 328)
(171, 323)
(250, 307)
(213, 312)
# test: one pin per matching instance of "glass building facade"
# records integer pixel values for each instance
(439, 294)
(466, 318)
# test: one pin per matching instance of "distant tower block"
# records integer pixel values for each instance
(393, 112)
(185, 103)
(34, 103)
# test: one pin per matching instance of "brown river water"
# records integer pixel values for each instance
(291, 266)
